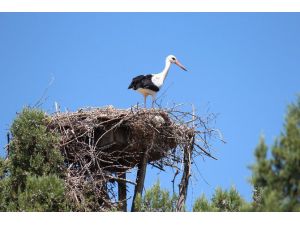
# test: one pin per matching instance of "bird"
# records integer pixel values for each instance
(150, 84)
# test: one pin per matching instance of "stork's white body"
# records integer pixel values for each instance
(158, 80)
(146, 92)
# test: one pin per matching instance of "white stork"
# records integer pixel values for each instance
(150, 84)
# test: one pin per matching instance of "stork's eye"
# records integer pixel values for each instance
(173, 58)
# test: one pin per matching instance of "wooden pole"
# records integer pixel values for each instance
(183, 186)
(122, 192)
(140, 179)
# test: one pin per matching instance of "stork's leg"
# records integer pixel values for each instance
(145, 97)
(153, 100)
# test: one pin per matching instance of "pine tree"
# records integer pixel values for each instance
(221, 201)
(156, 200)
(276, 179)
(32, 177)
(203, 205)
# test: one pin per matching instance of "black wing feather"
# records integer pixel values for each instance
(143, 81)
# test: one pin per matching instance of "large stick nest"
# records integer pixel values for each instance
(101, 143)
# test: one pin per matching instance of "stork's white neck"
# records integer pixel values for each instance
(164, 73)
(158, 79)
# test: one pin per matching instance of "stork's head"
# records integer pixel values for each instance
(173, 59)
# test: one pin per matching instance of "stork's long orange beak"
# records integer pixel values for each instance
(180, 65)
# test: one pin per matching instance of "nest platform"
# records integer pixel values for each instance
(115, 140)
(101, 145)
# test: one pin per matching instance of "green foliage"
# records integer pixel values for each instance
(276, 179)
(42, 194)
(33, 148)
(156, 200)
(222, 201)
(203, 205)
(7, 203)
(228, 201)
(3, 168)
(32, 177)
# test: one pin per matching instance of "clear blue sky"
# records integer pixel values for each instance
(242, 66)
